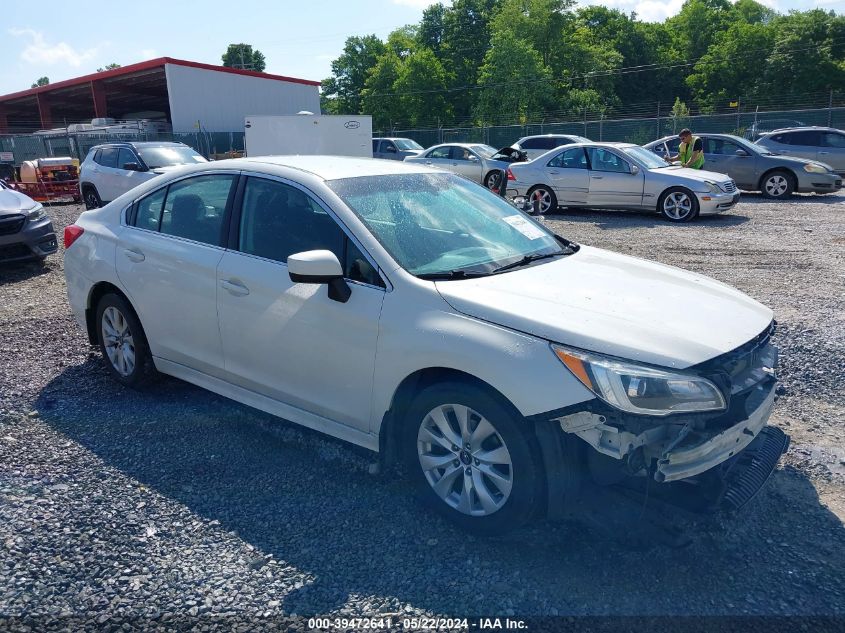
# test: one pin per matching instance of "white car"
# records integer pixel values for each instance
(416, 314)
(112, 169)
(539, 144)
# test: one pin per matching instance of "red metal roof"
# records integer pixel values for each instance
(153, 63)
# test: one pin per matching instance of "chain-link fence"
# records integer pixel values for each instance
(639, 130)
(31, 146)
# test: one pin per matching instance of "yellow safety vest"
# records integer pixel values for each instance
(685, 151)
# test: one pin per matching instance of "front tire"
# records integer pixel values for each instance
(123, 343)
(471, 458)
(547, 198)
(777, 185)
(678, 205)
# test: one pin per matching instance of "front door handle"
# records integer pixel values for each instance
(134, 255)
(597, 177)
(554, 173)
(823, 153)
(234, 287)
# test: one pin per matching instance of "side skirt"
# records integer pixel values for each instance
(268, 405)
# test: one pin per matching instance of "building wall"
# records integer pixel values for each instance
(220, 101)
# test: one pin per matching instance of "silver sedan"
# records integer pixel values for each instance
(472, 160)
(620, 176)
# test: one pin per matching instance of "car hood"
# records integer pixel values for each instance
(411, 152)
(617, 305)
(12, 201)
(699, 175)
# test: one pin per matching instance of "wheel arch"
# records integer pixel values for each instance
(770, 171)
(404, 393)
(97, 292)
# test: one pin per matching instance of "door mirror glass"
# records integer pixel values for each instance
(390, 149)
(473, 158)
(741, 152)
(635, 169)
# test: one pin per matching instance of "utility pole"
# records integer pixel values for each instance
(830, 109)
(658, 120)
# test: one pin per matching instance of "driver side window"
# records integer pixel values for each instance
(604, 160)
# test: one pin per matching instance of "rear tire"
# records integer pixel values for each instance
(123, 342)
(677, 204)
(777, 184)
(472, 458)
(547, 197)
(493, 181)
(91, 198)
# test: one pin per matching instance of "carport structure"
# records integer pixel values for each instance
(159, 85)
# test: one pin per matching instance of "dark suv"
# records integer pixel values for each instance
(112, 169)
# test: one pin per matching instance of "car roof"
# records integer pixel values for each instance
(551, 136)
(326, 167)
(802, 128)
(458, 144)
(140, 144)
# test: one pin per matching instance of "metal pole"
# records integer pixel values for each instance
(658, 120)
(738, 104)
(585, 120)
(830, 109)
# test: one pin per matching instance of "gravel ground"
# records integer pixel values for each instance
(174, 503)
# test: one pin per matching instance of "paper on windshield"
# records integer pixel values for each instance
(521, 224)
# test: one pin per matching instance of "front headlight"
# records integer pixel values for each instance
(640, 389)
(35, 213)
(712, 186)
(812, 168)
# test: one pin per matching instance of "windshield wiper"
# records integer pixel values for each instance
(451, 274)
(527, 259)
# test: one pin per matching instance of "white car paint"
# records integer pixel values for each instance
(237, 325)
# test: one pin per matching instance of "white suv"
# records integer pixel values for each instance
(415, 313)
(112, 169)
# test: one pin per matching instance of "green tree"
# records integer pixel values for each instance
(431, 30)
(111, 66)
(516, 85)
(341, 93)
(379, 98)
(41, 81)
(244, 57)
(695, 27)
(422, 85)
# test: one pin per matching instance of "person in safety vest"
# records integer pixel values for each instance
(690, 151)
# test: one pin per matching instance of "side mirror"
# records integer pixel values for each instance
(390, 149)
(473, 158)
(319, 267)
(133, 167)
(635, 169)
(741, 152)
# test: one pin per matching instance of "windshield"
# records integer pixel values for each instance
(439, 224)
(406, 143)
(484, 150)
(169, 156)
(647, 158)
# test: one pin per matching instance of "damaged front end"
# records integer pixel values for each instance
(726, 456)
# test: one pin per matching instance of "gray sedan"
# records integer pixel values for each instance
(825, 144)
(471, 160)
(755, 168)
(620, 176)
(25, 230)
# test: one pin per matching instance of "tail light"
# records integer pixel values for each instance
(510, 174)
(72, 233)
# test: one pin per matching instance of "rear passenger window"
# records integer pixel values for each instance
(832, 139)
(148, 211)
(440, 152)
(532, 143)
(278, 220)
(811, 138)
(194, 208)
(108, 157)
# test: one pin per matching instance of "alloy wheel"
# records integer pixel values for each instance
(677, 205)
(465, 460)
(118, 341)
(776, 185)
(494, 181)
(545, 198)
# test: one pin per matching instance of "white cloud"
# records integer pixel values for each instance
(39, 51)
(149, 53)
(646, 10)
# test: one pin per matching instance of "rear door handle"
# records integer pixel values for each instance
(554, 173)
(234, 287)
(824, 153)
(134, 254)
(597, 177)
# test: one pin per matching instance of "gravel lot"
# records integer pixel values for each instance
(174, 502)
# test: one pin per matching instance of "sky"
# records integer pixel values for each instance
(299, 39)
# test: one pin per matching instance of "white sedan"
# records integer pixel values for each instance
(419, 315)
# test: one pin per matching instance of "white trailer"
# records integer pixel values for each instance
(309, 134)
